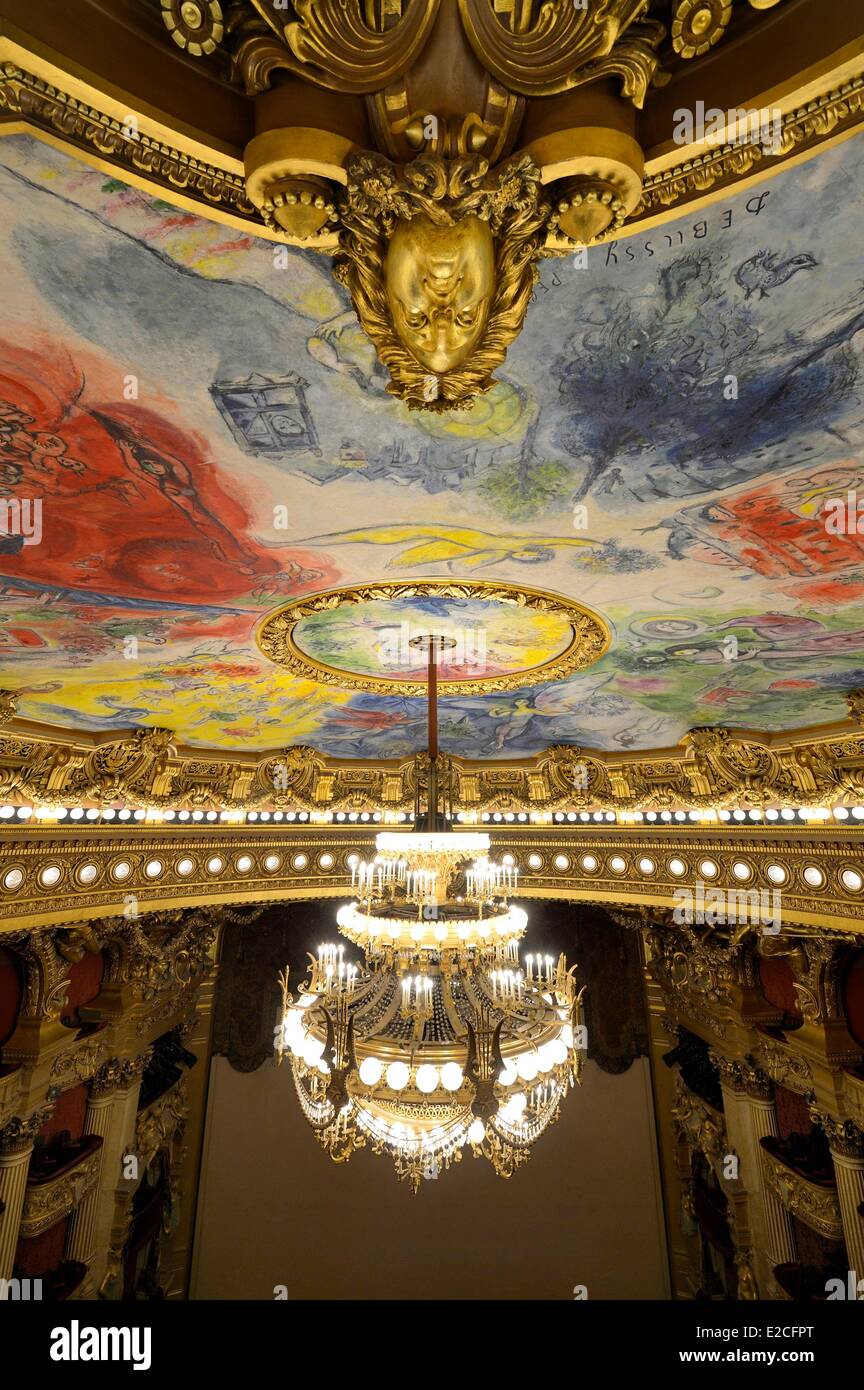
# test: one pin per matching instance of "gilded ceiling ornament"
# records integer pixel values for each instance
(590, 636)
(698, 25)
(855, 702)
(563, 48)
(8, 701)
(440, 258)
(439, 251)
(195, 25)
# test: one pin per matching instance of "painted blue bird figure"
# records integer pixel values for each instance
(763, 272)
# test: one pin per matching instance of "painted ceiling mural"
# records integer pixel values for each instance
(208, 433)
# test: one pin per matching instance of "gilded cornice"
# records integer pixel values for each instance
(157, 869)
(833, 114)
(38, 97)
(86, 129)
(712, 767)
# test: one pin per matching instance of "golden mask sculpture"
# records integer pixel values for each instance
(436, 149)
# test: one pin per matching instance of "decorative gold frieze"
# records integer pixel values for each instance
(802, 129)
(818, 1207)
(711, 768)
(77, 1064)
(47, 1203)
(54, 113)
(784, 1066)
(140, 869)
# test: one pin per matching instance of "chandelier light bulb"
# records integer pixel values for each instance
(397, 1076)
(371, 1071)
(313, 1051)
(527, 1066)
(451, 1076)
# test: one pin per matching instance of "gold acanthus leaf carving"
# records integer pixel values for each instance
(329, 44)
(566, 46)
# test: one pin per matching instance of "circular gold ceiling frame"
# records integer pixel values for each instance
(590, 636)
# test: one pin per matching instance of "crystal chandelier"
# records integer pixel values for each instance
(442, 1039)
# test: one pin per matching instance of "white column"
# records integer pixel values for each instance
(111, 1112)
(82, 1225)
(16, 1146)
(847, 1150)
(778, 1229)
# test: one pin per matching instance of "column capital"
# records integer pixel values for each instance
(844, 1137)
(743, 1076)
(18, 1133)
(118, 1074)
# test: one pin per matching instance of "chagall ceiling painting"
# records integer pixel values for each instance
(209, 434)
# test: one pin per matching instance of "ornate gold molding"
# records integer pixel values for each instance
(172, 869)
(835, 113)
(711, 768)
(83, 128)
(784, 1066)
(33, 98)
(590, 635)
(47, 1203)
(163, 1122)
(568, 46)
(818, 1207)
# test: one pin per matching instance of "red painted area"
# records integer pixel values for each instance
(762, 530)
(853, 996)
(69, 1113)
(793, 1116)
(778, 986)
(85, 979)
(133, 504)
(10, 993)
(43, 1252)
